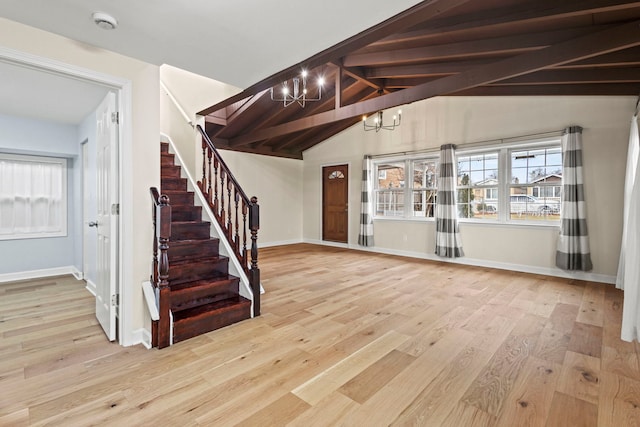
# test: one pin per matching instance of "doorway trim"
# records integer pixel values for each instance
(123, 89)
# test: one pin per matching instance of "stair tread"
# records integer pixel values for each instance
(222, 280)
(190, 222)
(222, 305)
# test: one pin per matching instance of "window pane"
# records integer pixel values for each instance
(425, 174)
(424, 202)
(389, 203)
(390, 175)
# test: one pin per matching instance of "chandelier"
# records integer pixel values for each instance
(298, 93)
(378, 123)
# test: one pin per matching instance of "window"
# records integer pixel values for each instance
(33, 197)
(478, 185)
(508, 184)
(390, 193)
(397, 196)
(535, 187)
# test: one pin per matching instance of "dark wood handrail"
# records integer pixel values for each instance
(206, 138)
(161, 215)
(216, 179)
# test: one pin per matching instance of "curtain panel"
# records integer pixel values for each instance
(632, 165)
(629, 269)
(573, 251)
(32, 197)
(448, 241)
(365, 238)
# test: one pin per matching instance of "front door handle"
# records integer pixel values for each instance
(93, 224)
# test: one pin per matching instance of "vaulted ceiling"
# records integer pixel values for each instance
(437, 48)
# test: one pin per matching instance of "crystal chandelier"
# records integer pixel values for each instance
(378, 123)
(299, 91)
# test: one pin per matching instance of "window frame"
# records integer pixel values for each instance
(64, 199)
(502, 188)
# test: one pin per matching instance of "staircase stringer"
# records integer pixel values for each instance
(235, 267)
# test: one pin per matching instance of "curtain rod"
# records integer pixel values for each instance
(487, 142)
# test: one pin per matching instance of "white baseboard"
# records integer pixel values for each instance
(37, 274)
(91, 287)
(554, 272)
(141, 336)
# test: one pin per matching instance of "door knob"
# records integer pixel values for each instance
(93, 224)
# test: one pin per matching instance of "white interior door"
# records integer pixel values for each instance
(107, 219)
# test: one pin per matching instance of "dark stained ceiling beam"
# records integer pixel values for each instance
(215, 120)
(591, 89)
(358, 75)
(514, 15)
(467, 49)
(425, 70)
(310, 134)
(415, 15)
(573, 76)
(616, 38)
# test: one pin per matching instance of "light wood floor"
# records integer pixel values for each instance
(346, 338)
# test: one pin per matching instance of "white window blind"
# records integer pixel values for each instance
(33, 196)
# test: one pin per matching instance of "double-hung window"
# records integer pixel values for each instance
(33, 196)
(477, 185)
(406, 188)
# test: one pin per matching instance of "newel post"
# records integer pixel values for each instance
(163, 231)
(254, 272)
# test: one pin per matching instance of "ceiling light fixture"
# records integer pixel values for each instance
(378, 124)
(299, 94)
(104, 20)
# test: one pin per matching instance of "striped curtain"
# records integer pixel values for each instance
(573, 243)
(365, 238)
(448, 242)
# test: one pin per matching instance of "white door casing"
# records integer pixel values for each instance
(107, 218)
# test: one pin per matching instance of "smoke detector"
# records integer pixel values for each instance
(104, 20)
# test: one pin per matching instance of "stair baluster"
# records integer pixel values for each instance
(227, 220)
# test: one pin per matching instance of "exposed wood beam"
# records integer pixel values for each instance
(215, 120)
(338, 91)
(515, 15)
(255, 98)
(573, 76)
(425, 70)
(467, 49)
(309, 134)
(417, 14)
(358, 75)
(593, 89)
(616, 38)
(623, 58)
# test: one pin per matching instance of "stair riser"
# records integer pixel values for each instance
(175, 184)
(197, 249)
(190, 231)
(170, 172)
(204, 294)
(190, 272)
(191, 327)
(167, 159)
(187, 214)
(164, 147)
(180, 198)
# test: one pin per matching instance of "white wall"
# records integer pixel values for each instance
(276, 182)
(36, 137)
(137, 172)
(459, 120)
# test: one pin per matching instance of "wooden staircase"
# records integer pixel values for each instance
(203, 296)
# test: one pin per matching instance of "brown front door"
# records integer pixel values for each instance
(335, 203)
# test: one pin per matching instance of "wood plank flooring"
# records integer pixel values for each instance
(347, 338)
